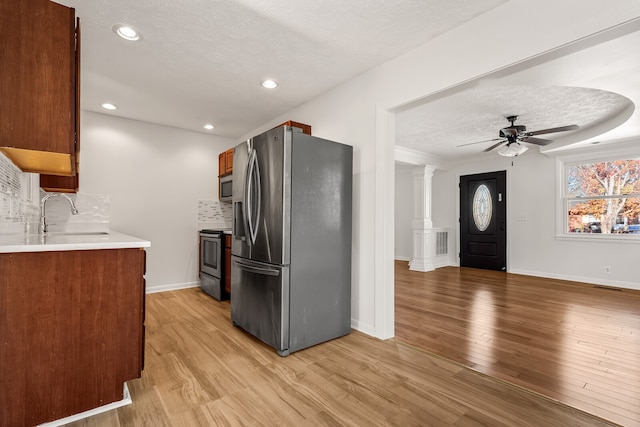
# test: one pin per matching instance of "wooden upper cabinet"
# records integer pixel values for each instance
(69, 184)
(229, 161)
(38, 94)
(222, 164)
(305, 128)
(225, 162)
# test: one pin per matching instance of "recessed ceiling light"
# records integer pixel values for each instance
(208, 126)
(269, 84)
(127, 32)
(109, 106)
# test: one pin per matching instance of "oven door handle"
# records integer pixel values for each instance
(252, 268)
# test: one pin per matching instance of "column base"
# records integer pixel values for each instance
(421, 265)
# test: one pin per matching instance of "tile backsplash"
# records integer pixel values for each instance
(93, 214)
(16, 210)
(20, 206)
(9, 176)
(214, 214)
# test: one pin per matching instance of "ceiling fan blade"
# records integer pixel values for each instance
(479, 142)
(551, 130)
(494, 146)
(537, 141)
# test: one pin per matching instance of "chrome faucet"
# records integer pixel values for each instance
(43, 221)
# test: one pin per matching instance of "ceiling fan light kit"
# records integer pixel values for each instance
(512, 150)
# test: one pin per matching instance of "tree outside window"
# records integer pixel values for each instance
(604, 197)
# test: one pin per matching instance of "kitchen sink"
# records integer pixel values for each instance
(74, 237)
(79, 233)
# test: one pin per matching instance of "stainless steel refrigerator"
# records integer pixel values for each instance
(291, 247)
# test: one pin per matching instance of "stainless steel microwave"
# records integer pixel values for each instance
(226, 188)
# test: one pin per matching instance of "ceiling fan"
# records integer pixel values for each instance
(515, 134)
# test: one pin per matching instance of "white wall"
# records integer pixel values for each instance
(444, 196)
(154, 176)
(403, 214)
(354, 113)
(532, 247)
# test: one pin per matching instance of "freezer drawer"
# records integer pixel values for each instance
(260, 301)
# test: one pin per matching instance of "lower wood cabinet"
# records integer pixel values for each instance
(71, 331)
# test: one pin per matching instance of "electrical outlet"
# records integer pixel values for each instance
(607, 270)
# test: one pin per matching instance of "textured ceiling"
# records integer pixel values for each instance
(478, 114)
(597, 88)
(202, 60)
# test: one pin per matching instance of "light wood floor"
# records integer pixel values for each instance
(202, 371)
(573, 342)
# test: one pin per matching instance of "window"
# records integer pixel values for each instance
(603, 197)
(482, 206)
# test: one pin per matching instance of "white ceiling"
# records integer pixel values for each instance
(596, 88)
(201, 61)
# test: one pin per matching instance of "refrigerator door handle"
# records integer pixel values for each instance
(265, 271)
(247, 199)
(258, 199)
(253, 196)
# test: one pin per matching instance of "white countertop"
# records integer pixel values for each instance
(69, 242)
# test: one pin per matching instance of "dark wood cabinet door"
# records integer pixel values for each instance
(69, 184)
(222, 164)
(37, 88)
(225, 162)
(71, 331)
(228, 161)
(60, 184)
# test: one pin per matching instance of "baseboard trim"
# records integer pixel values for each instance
(439, 261)
(365, 329)
(126, 400)
(172, 287)
(589, 280)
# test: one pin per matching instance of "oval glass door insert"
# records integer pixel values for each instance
(482, 207)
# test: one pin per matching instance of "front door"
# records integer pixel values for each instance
(483, 221)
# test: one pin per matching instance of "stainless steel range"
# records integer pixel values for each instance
(212, 264)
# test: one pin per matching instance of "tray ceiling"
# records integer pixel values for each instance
(597, 88)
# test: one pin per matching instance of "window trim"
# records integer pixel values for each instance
(562, 199)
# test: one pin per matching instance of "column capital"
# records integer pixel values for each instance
(425, 170)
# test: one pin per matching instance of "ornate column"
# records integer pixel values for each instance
(422, 258)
